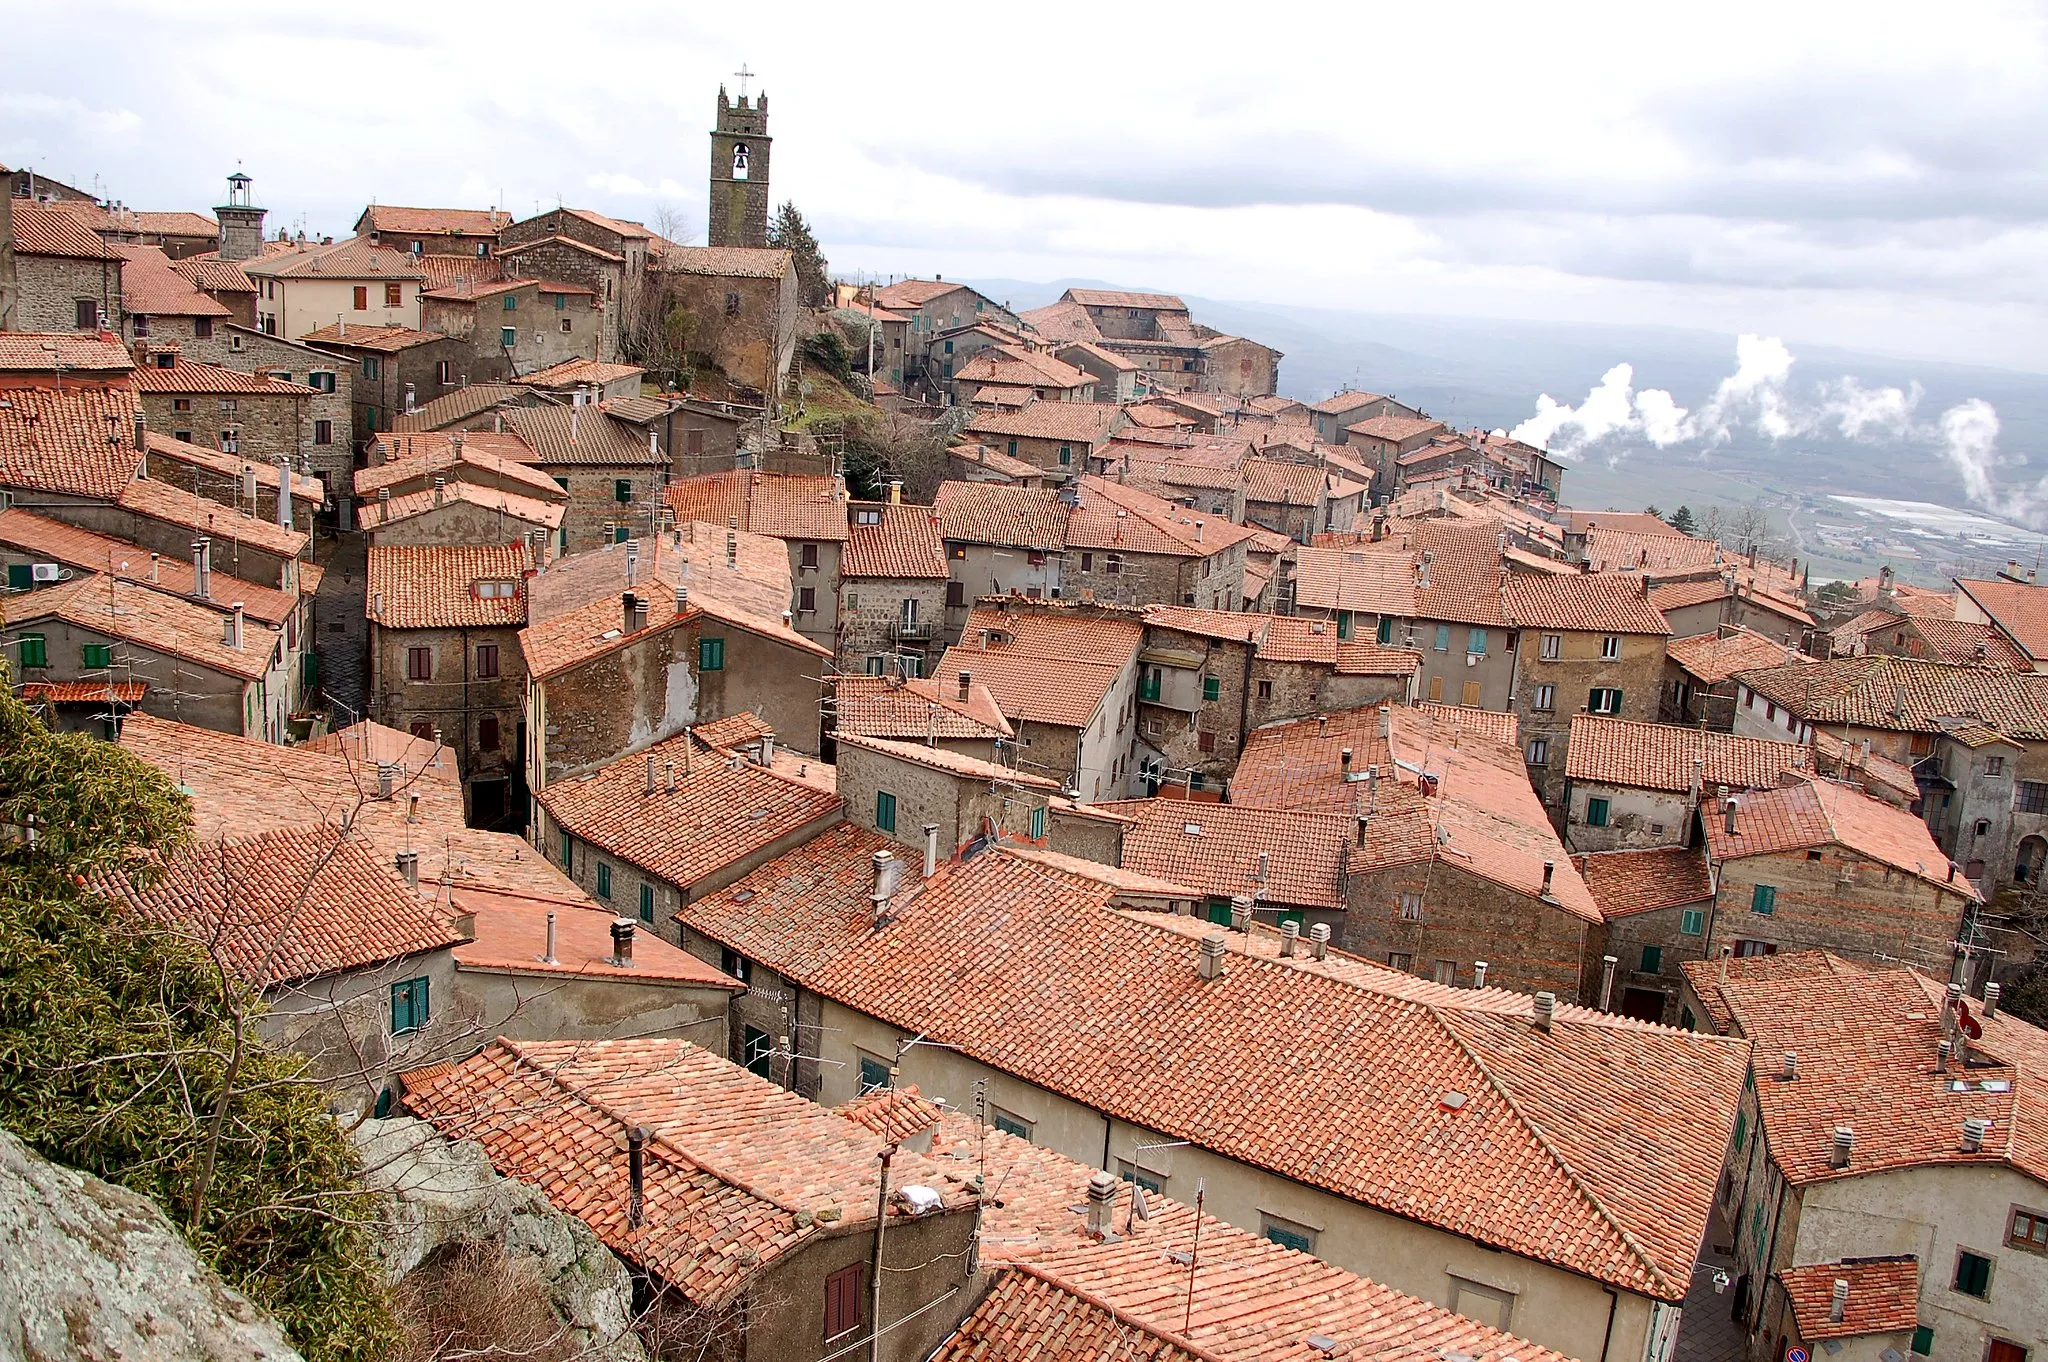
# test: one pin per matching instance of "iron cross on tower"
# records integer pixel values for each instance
(745, 75)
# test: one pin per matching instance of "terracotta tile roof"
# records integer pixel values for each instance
(1625, 882)
(393, 220)
(385, 340)
(74, 440)
(2019, 609)
(1347, 400)
(449, 271)
(1714, 658)
(1884, 1297)
(73, 352)
(1818, 813)
(895, 1114)
(89, 552)
(1024, 368)
(176, 506)
(119, 608)
(1668, 756)
(1228, 626)
(950, 762)
(46, 229)
(241, 786)
(1046, 664)
(214, 274)
(737, 1169)
(1545, 1167)
(1903, 694)
(734, 731)
(1866, 1060)
(174, 223)
(1099, 297)
(451, 408)
(1393, 427)
(230, 466)
(1010, 517)
(1459, 719)
(1112, 517)
(570, 435)
(915, 709)
(528, 511)
(1482, 815)
(417, 458)
(1979, 644)
(432, 586)
(1084, 423)
(571, 373)
(786, 505)
(150, 286)
(512, 936)
(192, 376)
(354, 258)
(1611, 547)
(1296, 484)
(905, 543)
(574, 606)
(1616, 605)
(1069, 1297)
(717, 815)
(909, 294)
(986, 456)
(1218, 848)
(470, 286)
(728, 262)
(83, 692)
(1675, 595)
(293, 904)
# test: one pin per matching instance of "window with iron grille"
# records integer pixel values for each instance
(2030, 796)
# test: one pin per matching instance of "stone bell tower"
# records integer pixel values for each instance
(241, 222)
(739, 170)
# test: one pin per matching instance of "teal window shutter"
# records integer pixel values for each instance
(1596, 813)
(511, 302)
(647, 903)
(1923, 1340)
(1653, 959)
(1764, 899)
(409, 1010)
(1219, 911)
(1038, 824)
(604, 880)
(21, 577)
(1212, 688)
(1386, 634)
(34, 651)
(1443, 638)
(873, 1074)
(1475, 642)
(508, 337)
(885, 811)
(710, 654)
(97, 655)
(561, 302)
(1343, 624)
(1692, 922)
(568, 851)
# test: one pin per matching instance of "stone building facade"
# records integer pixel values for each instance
(253, 416)
(326, 416)
(739, 172)
(396, 369)
(516, 326)
(744, 306)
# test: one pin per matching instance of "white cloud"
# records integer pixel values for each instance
(1611, 409)
(1756, 391)
(1969, 437)
(1862, 413)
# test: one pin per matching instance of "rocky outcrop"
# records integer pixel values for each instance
(437, 1193)
(94, 1271)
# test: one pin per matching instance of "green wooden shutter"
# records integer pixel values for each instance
(710, 654)
(885, 811)
(1212, 688)
(647, 903)
(1764, 899)
(1653, 959)
(21, 577)
(33, 651)
(1692, 922)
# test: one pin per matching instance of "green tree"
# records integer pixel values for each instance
(790, 232)
(1682, 521)
(116, 1045)
(1652, 510)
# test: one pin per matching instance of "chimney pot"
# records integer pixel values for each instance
(1728, 811)
(652, 765)
(1290, 936)
(636, 1175)
(387, 778)
(1845, 1142)
(1942, 1050)
(1319, 940)
(931, 850)
(1101, 1204)
(1241, 913)
(1838, 1304)
(1479, 974)
(1991, 993)
(622, 942)
(1791, 1069)
(549, 958)
(1975, 1129)
(408, 863)
(1546, 1010)
(1344, 759)
(884, 863)
(1607, 964)
(1210, 962)
(1549, 872)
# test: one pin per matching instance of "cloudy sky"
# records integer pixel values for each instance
(1868, 175)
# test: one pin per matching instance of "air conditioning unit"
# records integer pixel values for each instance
(48, 572)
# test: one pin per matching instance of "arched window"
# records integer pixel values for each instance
(739, 160)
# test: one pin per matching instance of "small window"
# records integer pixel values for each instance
(1973, 1275)
(1151, 1182)
(487, 735)
(807, 600)
(710, 654)
(1411, 907)
(1539, 752)
(508, 336)
(1603, 700)
(2028, 1230)
(419, 664)
(885, 811)
(756, 1049)
(371, 369)
(807, 555)
(1038, 824)
(323, 431)
(1087, 562)
(1475, 642)
(444, 372)
(604, 880)
(394, 295)
(1610, 647)
(1343, 624)
(1112, 562)
(362, 297)
(1763, 899)
(1287, 1233)
(1596, 813)
(1066, 456)
(1386, 633)
(738, 966)
(181, 404)
(956, 595)
(568, 851)
(561, 304)
(141, 323)
(88, 314)
(1010, 1123)
(1994, 765)
(732, 305)
(97, 655)
(646, 902)
(622, 491)
(568, 327)
(486, 661)
(1553, 647)
(843, 1293)
(1545, 698)
(1212, 688)
(874, 1073)
(511, 302)
(409, 1010)
(1401, 960)
(1653, 960)
(202, 328)
(1265, 690)
(1693, 922)
(1443, 638)
(1923, 1341)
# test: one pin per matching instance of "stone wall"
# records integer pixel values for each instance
(1527, 944)
(454, 701)
(746, 326)
(1837, 899)
(49, 289)
(871, 621)
(1638, 673)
